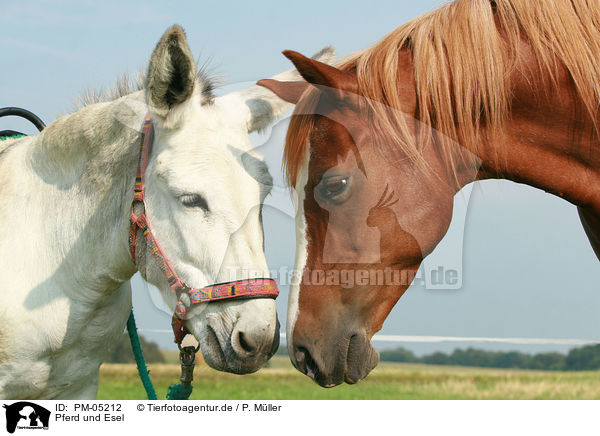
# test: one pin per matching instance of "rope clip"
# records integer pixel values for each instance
(187, 357)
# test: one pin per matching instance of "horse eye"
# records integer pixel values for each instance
(334, 187)
(193, 201)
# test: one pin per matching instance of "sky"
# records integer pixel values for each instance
(526, 266)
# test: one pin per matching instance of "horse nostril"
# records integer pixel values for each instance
(306, 363)
(300, 354)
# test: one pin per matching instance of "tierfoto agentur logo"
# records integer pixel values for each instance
(26, 415)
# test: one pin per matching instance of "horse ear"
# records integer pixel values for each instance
(287, 91)
(330, 80)
(263, 105)
(171, 73)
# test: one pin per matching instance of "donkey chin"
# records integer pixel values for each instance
(241, 348)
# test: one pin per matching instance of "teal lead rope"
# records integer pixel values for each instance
(5, 138)
(136, 347)
(180, 391)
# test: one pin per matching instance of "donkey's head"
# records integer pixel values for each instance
(204, 193)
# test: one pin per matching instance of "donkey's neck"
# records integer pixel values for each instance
(80, 170)
(63, 243)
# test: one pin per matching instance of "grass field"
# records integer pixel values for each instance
(280, 381)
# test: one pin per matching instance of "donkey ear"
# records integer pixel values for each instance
(171, 73)
(264, 106)
(330, 80)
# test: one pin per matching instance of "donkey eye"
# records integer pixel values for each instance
(194, 201)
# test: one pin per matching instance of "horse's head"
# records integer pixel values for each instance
(204, 193)
(367, 215)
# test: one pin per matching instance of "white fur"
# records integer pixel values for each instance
(301, 253)
(258, 103)
(64, 207)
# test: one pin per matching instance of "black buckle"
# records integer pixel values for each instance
(187, 358)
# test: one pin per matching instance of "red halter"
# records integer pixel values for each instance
(187, 297)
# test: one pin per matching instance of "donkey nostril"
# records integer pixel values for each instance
(252, 340)
(245, 343)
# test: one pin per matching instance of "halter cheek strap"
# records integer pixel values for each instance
(186, 296)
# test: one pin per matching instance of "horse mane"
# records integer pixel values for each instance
(463, 56)
(126, 84)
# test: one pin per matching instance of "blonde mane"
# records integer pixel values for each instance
(463, 55)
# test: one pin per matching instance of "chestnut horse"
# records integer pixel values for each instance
(379, 145)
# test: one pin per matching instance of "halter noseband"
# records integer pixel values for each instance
(186, 296)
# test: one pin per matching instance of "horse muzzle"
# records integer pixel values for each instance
(348, 359)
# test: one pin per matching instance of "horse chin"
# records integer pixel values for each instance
(361, 359)
(351, 366)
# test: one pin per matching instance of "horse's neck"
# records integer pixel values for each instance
(64, 211)
(549, 142)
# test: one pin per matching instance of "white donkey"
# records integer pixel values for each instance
(65, 198)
